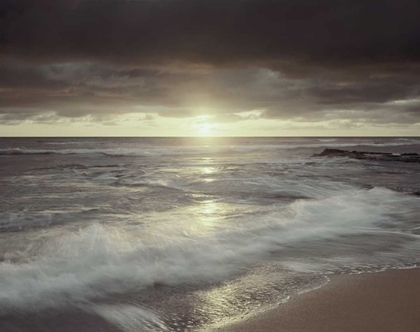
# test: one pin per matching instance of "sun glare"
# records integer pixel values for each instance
(204, 129)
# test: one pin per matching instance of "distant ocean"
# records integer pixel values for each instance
(181, 234)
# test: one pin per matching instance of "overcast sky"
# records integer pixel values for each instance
(209, 67)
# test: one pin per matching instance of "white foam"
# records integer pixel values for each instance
(193, 150)
(101, 260)
(129, 318)
(21, 220)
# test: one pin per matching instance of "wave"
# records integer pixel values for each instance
(197, 150)
(67, 142)
(22, 221)
(99, 260)
(129, 318)
(410, 142)
(23, 151)
(326, 139)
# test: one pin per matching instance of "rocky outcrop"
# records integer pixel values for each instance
(383, 156)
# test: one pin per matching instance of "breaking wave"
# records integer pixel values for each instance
(192, 150)
(99, 260)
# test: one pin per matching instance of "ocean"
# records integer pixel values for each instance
(187, 234)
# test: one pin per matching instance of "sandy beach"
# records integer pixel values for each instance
(381, 302)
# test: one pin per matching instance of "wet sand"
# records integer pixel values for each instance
(381, 302)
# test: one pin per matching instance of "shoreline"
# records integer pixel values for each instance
(384, 301)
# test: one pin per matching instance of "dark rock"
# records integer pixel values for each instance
(331, 152)
(383, 156)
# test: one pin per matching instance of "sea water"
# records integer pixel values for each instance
(180, 234)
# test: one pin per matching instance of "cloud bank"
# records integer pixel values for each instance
(302, 61)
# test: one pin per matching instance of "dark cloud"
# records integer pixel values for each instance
(78, 90)
(304, 60)
(212, 32)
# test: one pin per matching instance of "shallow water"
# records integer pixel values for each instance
(173, 234)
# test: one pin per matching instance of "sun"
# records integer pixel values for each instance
(204, 129)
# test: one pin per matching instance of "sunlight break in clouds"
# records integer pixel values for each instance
(79, 67)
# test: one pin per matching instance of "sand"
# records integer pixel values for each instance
(381, 302)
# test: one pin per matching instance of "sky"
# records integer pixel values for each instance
(209, 68)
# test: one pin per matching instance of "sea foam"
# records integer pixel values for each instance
(97, 261)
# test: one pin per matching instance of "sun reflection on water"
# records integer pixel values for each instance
(209, 213)
(209, 170)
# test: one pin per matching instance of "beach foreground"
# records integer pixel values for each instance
(385, 302)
